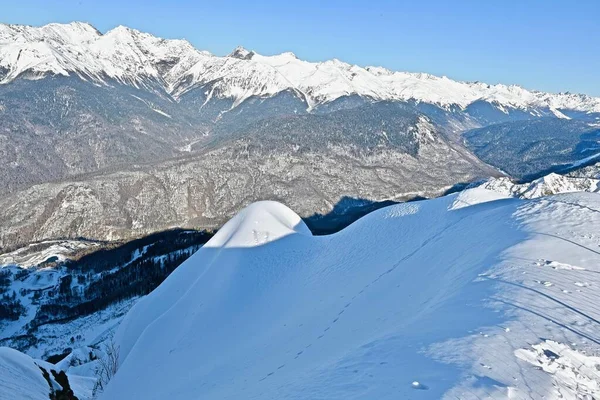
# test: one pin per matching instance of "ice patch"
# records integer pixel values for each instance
(575, 375)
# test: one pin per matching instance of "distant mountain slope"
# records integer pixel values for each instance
(467, 296)
(135, 133)
(56, 127)
(582, 180)
(384, 152)
(529, 149)
(82, 101)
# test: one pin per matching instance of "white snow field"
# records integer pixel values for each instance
(468, 296)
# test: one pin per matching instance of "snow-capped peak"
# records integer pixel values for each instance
(241, 53)
(137, 58)
(378, 71)
(289, 54)
(74, 32)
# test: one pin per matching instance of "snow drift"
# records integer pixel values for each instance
(22, 377)
(467, 296)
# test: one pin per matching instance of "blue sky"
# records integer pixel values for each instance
(551, 45)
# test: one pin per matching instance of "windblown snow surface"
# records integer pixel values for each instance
(20, 377)
(468, 296)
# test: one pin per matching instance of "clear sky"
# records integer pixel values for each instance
(551, 45)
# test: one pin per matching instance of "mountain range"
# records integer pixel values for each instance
(175, 67)
(118, 134)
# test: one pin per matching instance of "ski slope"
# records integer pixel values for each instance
(468, 296)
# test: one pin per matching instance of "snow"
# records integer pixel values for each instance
(82, 386)
(439, 298)
(123, 54)
(558, 114)
(474, 196)
(31, 255)
(585, 160)
(258, 224)
(20, 377)
(140, 59)
(31, 277)
(574, 373)
(544, 186)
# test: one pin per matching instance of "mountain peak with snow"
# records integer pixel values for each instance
(289, 54)
(241, 53)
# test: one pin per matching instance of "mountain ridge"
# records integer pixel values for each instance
(282, 314)
(178, 67)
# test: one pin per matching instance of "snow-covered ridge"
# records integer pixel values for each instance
(582, 180)
(467, 296)
(140, 59)
(123, 54)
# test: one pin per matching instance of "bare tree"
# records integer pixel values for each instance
(107, 366)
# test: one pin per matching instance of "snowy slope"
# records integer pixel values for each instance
(467, 296)
(33, 281)
(142, 60)
(22, 377)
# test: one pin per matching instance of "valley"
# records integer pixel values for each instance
(135, 134)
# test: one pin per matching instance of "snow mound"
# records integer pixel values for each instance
(259, 223)
(432, 299)
(474, 196)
